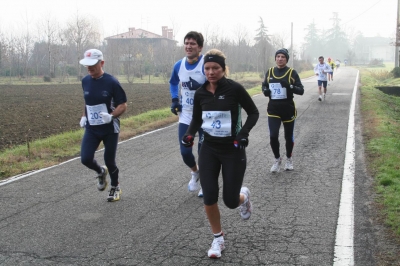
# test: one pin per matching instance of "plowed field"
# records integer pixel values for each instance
(30, 112)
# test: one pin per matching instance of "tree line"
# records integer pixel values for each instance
(53, 51)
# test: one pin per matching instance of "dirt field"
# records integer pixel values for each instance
(30, 112)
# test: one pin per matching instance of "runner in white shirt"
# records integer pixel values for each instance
(321, 70)
(187, 76)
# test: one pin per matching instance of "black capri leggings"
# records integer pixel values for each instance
(274, 124)
(212, 158)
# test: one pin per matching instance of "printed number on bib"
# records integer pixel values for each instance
(217, 123)
(187, 99)
(93, 111)
(277, 91)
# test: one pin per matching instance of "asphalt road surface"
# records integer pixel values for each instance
(57, 216)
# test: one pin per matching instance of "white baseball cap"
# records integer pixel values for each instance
(91, 57)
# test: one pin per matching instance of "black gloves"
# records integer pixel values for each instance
(265, 89)
(285, 84)
(241, 141)
(176, 106)
(241, 144)
(188, 141)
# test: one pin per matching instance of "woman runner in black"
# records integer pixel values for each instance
(217, 110)
(280, 83)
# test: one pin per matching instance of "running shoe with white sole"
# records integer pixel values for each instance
(320, 98)
(194, 182)
(245, 208)
(276, 166)
(102, 178)
(200, 193)
(217, 246)
(289, 164)
(115, 194)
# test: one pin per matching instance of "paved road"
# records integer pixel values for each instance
(57, 216)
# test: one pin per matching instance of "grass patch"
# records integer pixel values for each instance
(307, 74)
(381, 126)
(50, 151)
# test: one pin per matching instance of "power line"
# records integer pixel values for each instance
(362, 12)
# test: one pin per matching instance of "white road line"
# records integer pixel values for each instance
(21, 176)
(344, 243)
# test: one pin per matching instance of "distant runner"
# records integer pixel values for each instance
(321, 70)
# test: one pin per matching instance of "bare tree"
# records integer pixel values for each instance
(23, 45)
(82, 33)
(129, 51)
(279, 40)
(49, 28)
(175, 27)
(165, 55)
(11, 55)
(240, 59)
(3, 47)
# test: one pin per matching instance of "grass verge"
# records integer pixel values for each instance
(381, 129)
(59, 148)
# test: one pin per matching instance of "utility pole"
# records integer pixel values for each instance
(397, 42)
(291, 40)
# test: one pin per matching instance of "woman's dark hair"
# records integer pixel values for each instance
(196, 36)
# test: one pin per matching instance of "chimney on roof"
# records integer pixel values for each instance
(170, 34)
(131, 29)
(164, 31)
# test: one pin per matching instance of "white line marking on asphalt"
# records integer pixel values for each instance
(340, 93)
(344, 243)
(21, 176)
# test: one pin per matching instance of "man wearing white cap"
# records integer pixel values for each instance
(105, 101)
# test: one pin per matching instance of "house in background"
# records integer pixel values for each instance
(139, 51)
(374, 48)
(141, 35)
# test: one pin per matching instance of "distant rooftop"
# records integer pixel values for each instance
(134, 33)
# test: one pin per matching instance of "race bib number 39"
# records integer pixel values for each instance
(93, 113)
(217, 123)
(277, 91)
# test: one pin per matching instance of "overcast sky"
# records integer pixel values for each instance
(225, 17)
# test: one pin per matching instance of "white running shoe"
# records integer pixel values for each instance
(217, 247)
(102, 178)
(115, 194)
(289, 164)
(245, 208)
(200, 195)
(194, 182)
(320, 98)
(276, 166)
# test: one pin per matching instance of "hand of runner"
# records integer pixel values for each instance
(106, 117)
(83, 121)
(188, 141)
(285, 84)
(241, 142)
(176, 106)
(265, 89)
